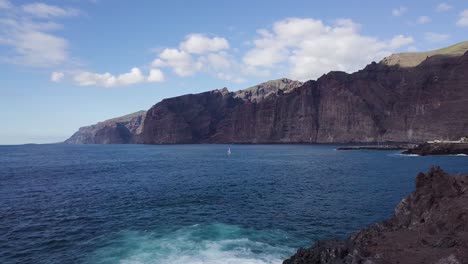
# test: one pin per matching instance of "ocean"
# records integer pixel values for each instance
(193, 203)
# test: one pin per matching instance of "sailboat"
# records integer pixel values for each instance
(229, 151)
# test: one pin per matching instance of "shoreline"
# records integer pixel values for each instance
(430, 225)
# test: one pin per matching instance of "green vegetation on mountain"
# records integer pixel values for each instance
(413, 59)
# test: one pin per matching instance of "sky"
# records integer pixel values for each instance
(71, 63)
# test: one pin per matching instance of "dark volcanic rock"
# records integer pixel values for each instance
(220, 116)
(378, 147)
(120, 130)
(439, 149)
(378, 103)
(429, 226)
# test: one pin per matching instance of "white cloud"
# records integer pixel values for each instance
(217, 61)
(46, 11)
(424, 20)
(200, 44)
(399, 11)
(179, 61)
(301, 48)
(5, 4)
(443, 7)
(156, 75)
(57, 76)
(400, 41)
(108, 80)
(309, 48)
(463, 20)
(134, 76)
(436, 37)
(31, 42)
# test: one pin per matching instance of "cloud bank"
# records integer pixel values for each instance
(107, 80)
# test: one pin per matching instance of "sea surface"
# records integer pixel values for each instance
(193, 203)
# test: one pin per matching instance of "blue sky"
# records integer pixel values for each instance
(66, 64)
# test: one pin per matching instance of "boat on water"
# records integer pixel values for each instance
(229, 151)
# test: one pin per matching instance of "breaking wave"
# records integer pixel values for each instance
(198, 244)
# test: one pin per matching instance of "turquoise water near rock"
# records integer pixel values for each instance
(193, 203)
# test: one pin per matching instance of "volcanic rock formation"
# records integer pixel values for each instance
(383, 102)
(429, 226)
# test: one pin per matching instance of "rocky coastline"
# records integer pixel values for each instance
(379, 147)
(429, 226)
(439, 149)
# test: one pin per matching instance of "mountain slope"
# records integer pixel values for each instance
(412, 59)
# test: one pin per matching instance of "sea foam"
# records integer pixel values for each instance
(198, 244)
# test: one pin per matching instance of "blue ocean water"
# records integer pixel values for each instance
(193, 203)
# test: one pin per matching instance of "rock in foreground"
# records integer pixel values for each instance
(429, 226)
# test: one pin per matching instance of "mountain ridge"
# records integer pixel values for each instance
(413, 59)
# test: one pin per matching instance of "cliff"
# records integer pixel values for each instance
(382, 102)
(120, 130)
(378, 103)
(429, 226)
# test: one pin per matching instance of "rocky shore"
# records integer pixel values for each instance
(378, 147)
(439, 149)
(429, 226)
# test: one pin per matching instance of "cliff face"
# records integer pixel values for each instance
(220, 116)
(121, 130)
(378, 103)
(429, 226)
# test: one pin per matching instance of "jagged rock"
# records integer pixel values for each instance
(259, 92)
(429, 226)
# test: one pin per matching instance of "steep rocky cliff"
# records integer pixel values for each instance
(429, 226)
(120, 130)
(383, 102)
(378, 103)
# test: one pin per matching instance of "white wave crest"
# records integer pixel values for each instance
(198, 244)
